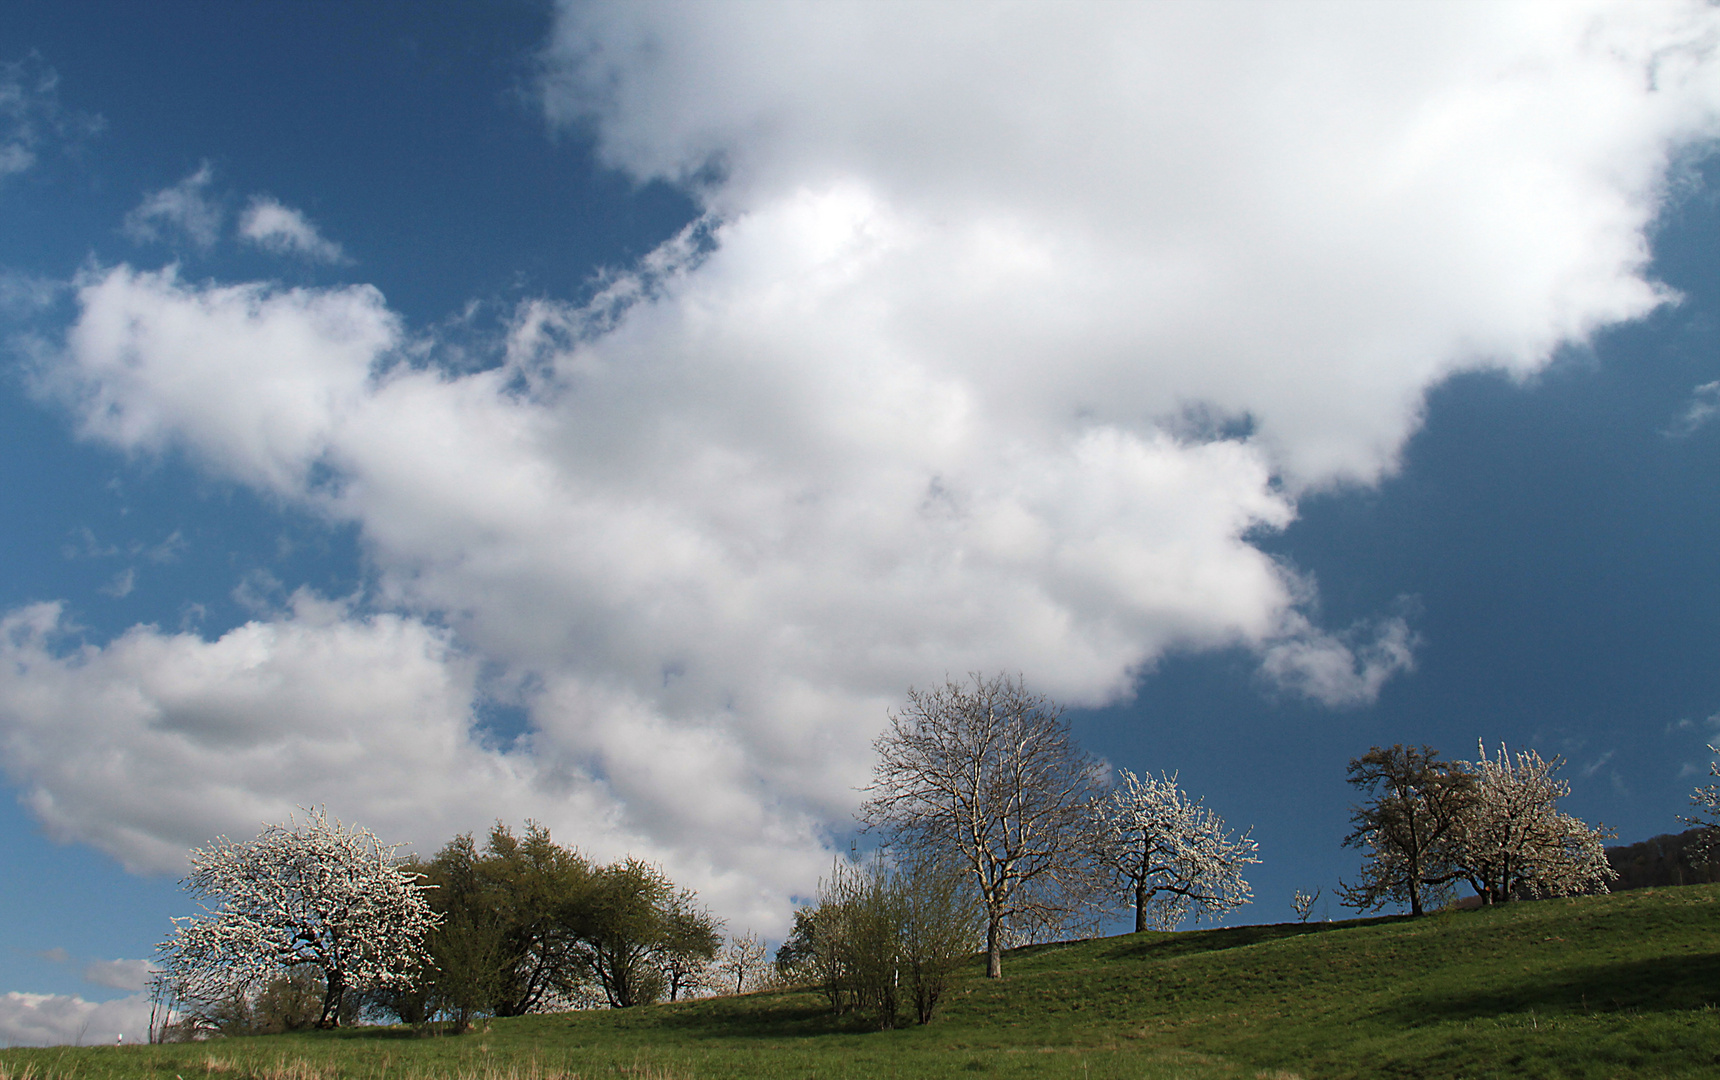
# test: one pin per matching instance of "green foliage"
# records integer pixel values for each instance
(527, 924)
(292, 1001)
(941, 927)
(528, 895)
(637, 931)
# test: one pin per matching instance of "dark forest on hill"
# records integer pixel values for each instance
(1669, 859)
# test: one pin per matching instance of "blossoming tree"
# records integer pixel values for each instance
(315, 894)
(1173, 854)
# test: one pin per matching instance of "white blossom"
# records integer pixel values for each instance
(1707, 818)
(1170, 851)
(316, 894)
(1513, 841)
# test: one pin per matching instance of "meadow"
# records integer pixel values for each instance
(1606, 986)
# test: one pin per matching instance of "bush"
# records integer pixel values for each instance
(878, 929)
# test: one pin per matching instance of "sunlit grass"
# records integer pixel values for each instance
(1596, 987)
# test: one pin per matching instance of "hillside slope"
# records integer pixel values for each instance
(1610, 986)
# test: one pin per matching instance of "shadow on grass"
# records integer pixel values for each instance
(766, 1016)
(1657, 984)
(1150, 945)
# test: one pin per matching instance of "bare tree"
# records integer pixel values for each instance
(1406, 830)
(743, 957)
(315, 895)
(1514, 841)
(1173, 854)
(988, 776)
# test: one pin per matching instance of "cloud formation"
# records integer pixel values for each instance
(183, 211)
(1704, 404)
(63, 1019)
(119, 974)
(1000, 341)
(281, 229)
(31, 116)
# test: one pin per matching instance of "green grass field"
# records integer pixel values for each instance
(1611, 986)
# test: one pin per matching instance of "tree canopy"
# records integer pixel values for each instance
(1407, 827)
(312, 895)
(1173, 855)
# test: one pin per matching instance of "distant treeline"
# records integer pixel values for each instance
(1670, 859)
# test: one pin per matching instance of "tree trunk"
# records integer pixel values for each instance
(1140, 907)
(335, 983)
(993, 949)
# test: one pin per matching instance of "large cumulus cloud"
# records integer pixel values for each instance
(1007, 328)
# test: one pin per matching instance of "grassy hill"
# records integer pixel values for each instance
(1611, 986)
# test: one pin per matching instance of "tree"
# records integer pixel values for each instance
(529, 924)
(743, 957)
(1513, 841)
(636, 928)
(989, 777)
(690, 940)
(529, 891)
(878, 928)
(817, 950)
(315, 895)
(1406, 829)
(1705, 849)
(1172, 853)
(940, 929)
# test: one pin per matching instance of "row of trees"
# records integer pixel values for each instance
(1492, 822)
(525, 923)
(984, 779)
(997, 828)
(319, 911)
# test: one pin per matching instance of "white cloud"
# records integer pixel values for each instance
(155, 742)
(1339, 670)
(27, 294)
(296, 362)
(1306, 213)
(1704, 404)
(61, 1020)
(31, 116)
(905, 404)
(183, 210)
(119, 974)
(283, 230)
(122, 584)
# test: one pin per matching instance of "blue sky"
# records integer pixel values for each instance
(603, 414)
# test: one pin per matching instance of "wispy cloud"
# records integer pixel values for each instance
(130, 975)
(184, 210)
(31, 116)
(281, 229)
(122, 584)
(1704, 404)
